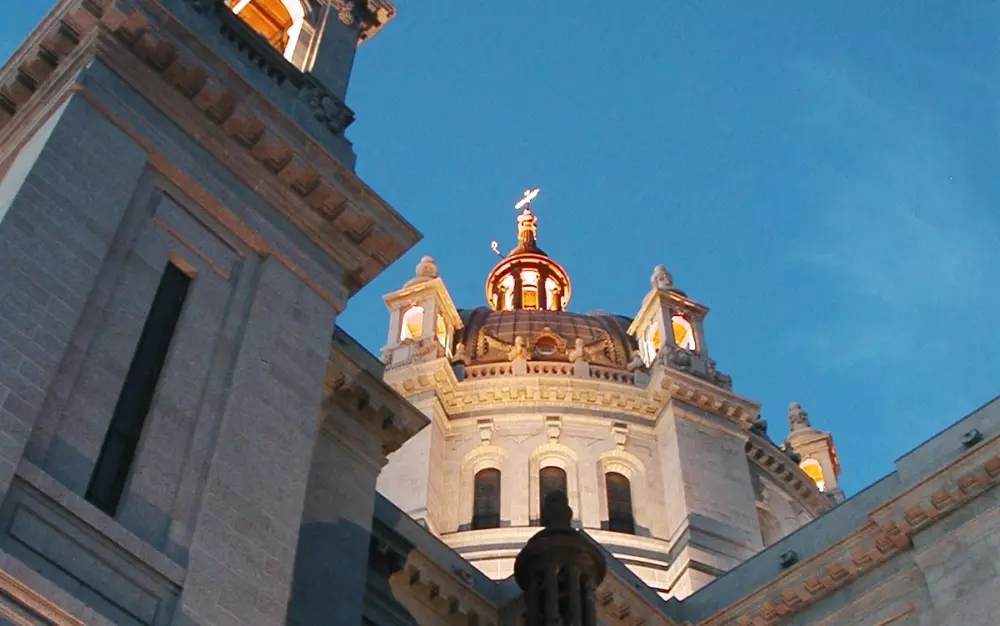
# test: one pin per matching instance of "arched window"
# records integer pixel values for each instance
(413, 323)
(277, 21)
(619, 503)
(550, 479)
(770, 529)
(651, 343)
(486, 499)
(683, 333)
(813, 470)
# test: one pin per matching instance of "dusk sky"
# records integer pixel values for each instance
(822, 175)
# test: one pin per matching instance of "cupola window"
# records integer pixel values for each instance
(814, 471)
(529, 289)
(278, 21)
(683, 333)
(413, 323)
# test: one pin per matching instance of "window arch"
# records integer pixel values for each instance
(486, 499)
(814, 470)
(619, 491)
(551, 478)
(683, 333)
(278, 21)
(413, 323)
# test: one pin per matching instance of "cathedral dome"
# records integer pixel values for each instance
(490, 335)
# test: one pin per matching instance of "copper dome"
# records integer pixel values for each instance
(548, 335)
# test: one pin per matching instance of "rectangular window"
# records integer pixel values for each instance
(118, 450)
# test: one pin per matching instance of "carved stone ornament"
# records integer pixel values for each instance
(486, 430)
(619, 432)
(553, 428)
(327, 108)
(518, 351)
(460, 356)
(578, 353)
(636, 364)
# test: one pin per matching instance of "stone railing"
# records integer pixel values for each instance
(612, 375)
(549, 368)
(489, 370)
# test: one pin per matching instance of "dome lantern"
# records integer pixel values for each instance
(527, 279)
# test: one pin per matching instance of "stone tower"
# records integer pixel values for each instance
(662, 462)
(180, 224)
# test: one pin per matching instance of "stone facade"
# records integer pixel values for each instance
(708, 488)
(143, 139)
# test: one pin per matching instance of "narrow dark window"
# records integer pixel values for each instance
(550, 479)
(619, 503)
(486, 508)
(118, 450)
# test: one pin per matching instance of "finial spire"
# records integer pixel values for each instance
(527, 223)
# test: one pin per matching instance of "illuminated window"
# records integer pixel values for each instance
(441, 332)
(413, 323)
(507, 292)
(486, 499)
(683, 333)
(813, 470)
(552, 289)
(619, 492)
(529, 289)
(651, 343)
(277, 21)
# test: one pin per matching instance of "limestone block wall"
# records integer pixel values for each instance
(694, 494)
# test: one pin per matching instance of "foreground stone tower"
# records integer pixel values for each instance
(663, 463)
(180, 224)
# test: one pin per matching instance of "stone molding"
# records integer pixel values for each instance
(491, 394)
(209, 100)
(889, 531)
(370, 16)
(788, 474)
(447, 593)
(360, 394)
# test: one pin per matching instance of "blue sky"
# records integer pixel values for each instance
(822, 175)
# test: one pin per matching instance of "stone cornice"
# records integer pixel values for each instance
(483, 394)
(351, 388)
(210, 101)
(787, 474)
(889, 531)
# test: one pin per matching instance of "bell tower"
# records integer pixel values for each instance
(180, 225)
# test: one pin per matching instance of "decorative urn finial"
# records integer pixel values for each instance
(661, 279)
(426, 270)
